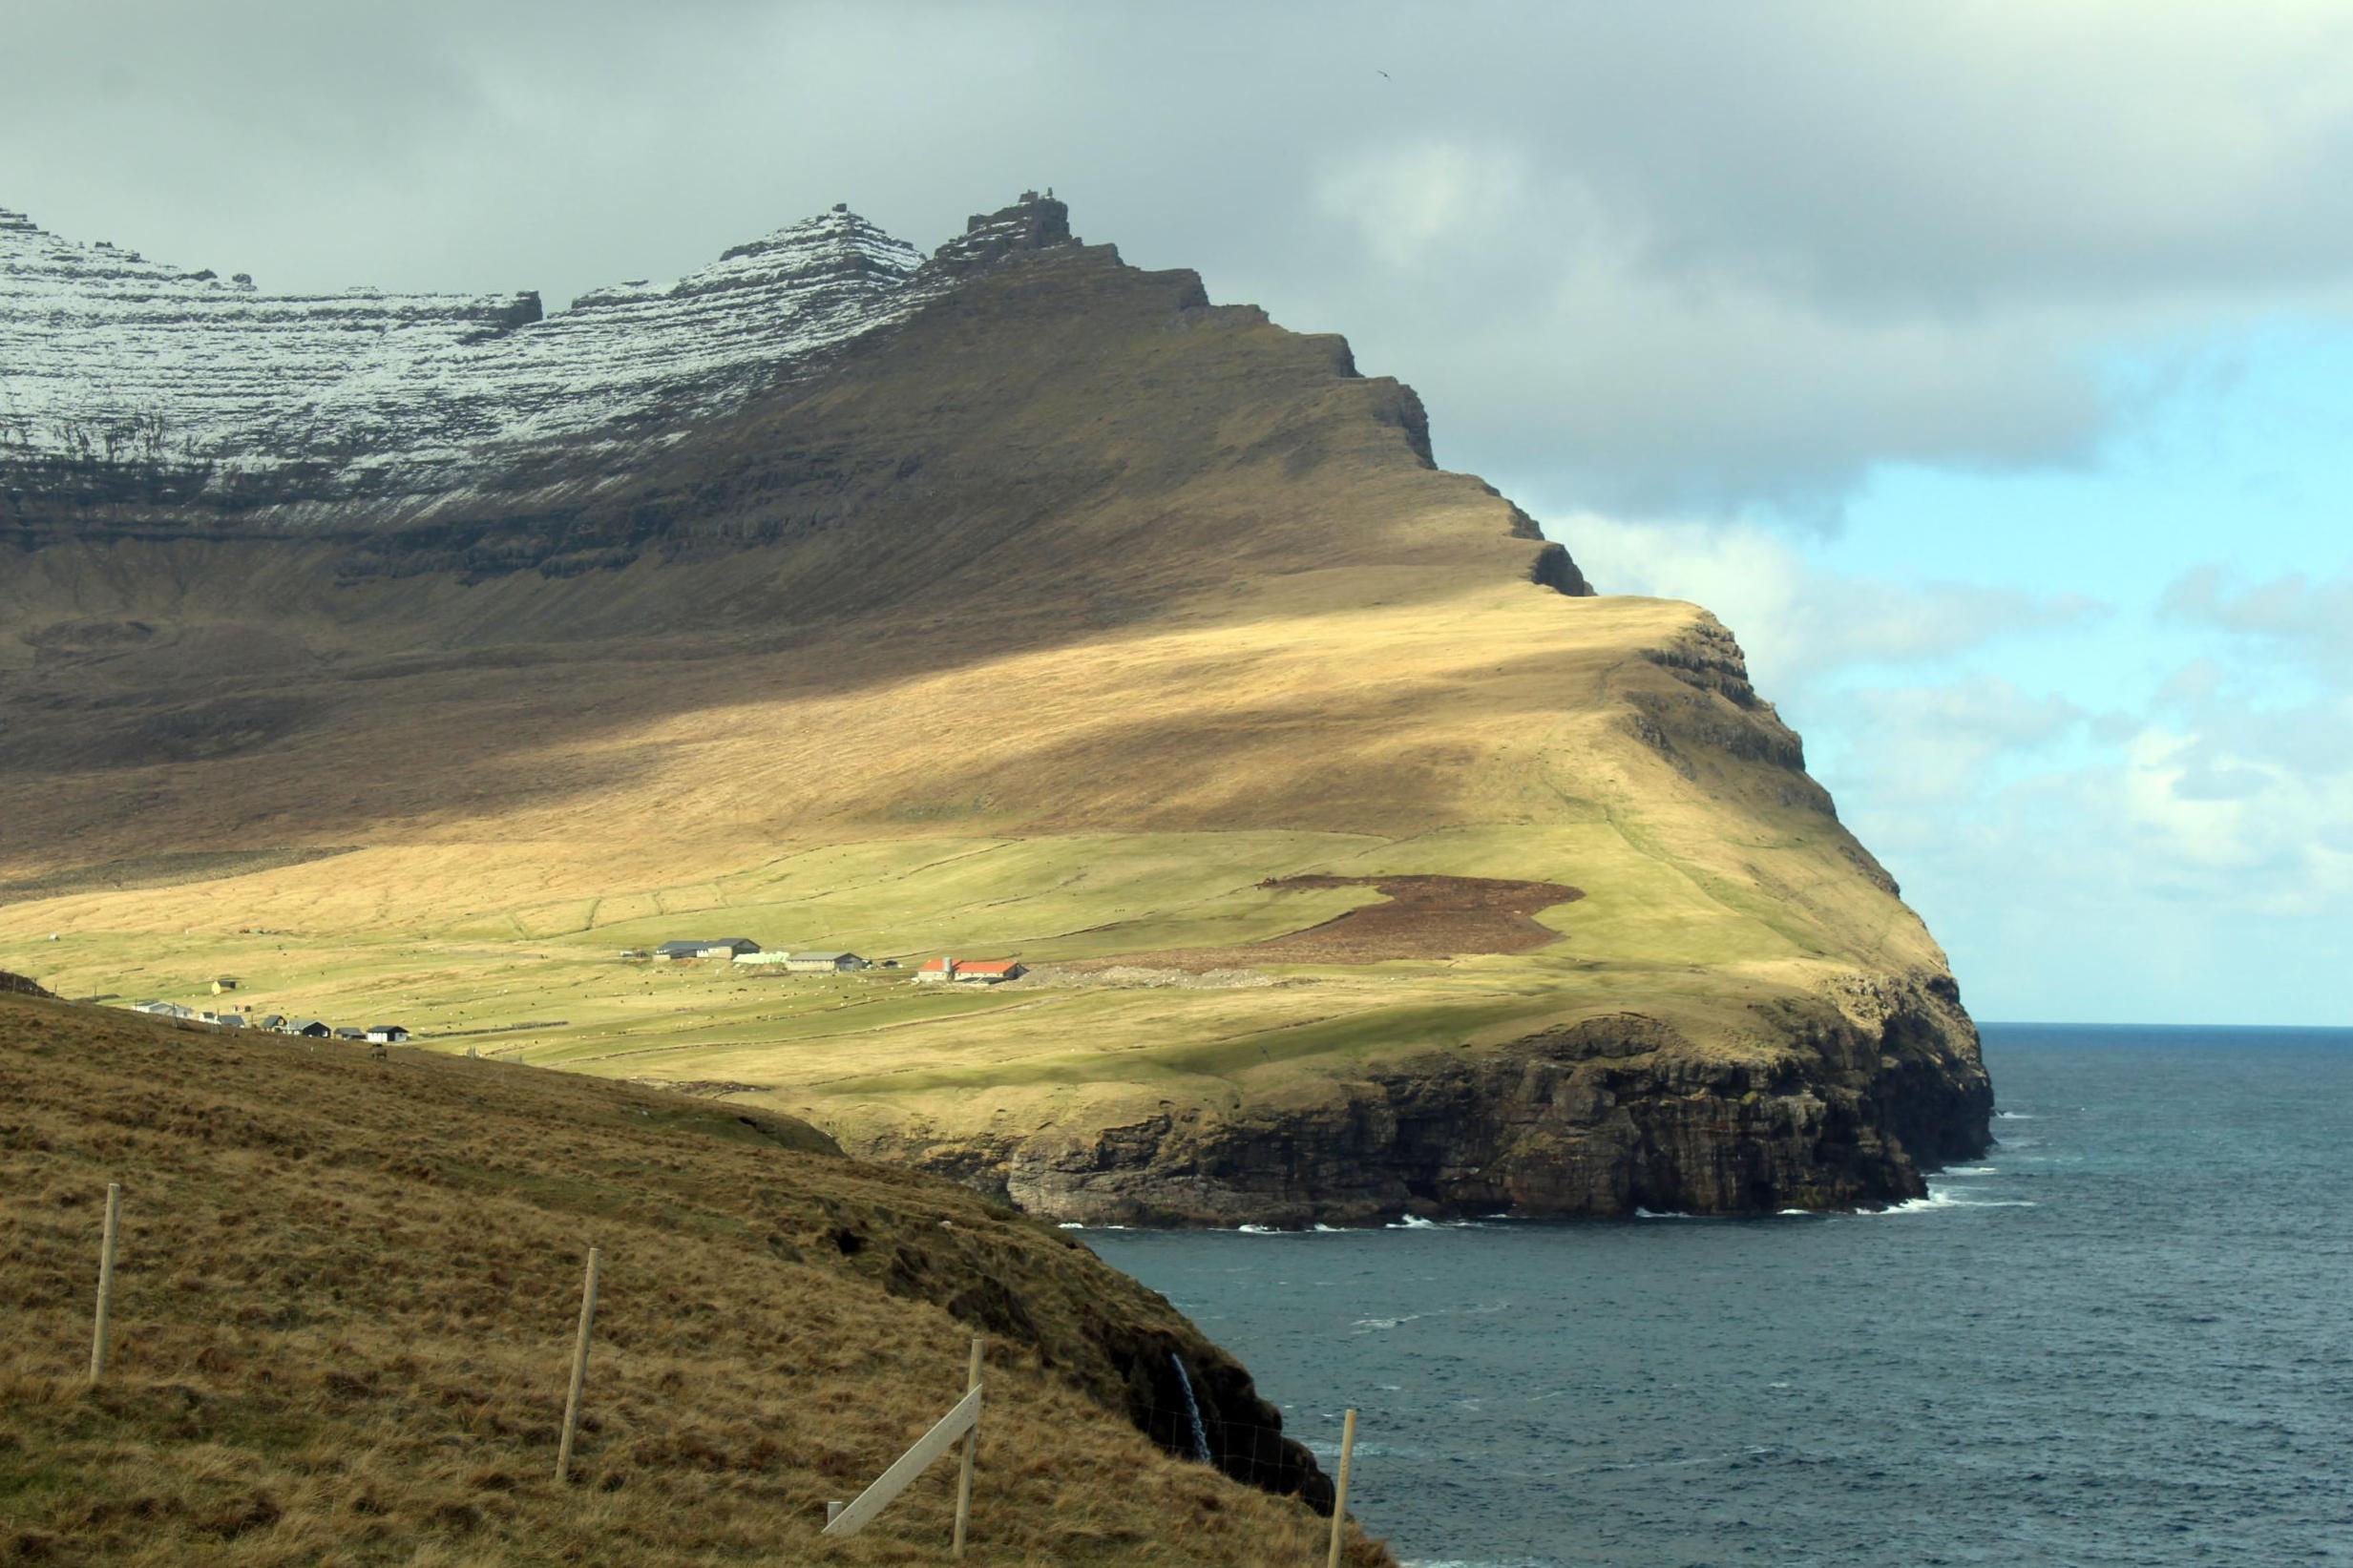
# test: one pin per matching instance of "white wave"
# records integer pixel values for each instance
(1973, 1170)
(1071, 1224)
(1384, 1322)
(1258, 1230)
(2013, 1115)
(1414, 1221)
(1937, 1201)
(1641, 1213)
(1322, 1229)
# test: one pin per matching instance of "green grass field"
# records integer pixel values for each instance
(543, 983)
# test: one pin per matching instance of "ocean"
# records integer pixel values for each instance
(2123, 1337)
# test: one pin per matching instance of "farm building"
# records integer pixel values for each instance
(316, 1028)
(348, 1033)
(767, 956)
(724, 946)
(275, 1023)
(164, 1010)
(387, 1033)
(823, 963)
(225, 983)
(983, 971)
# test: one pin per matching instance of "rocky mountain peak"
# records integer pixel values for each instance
(1034, 224)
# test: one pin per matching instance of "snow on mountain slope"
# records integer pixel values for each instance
(402, 405)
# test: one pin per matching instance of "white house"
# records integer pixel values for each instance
(387, 1033)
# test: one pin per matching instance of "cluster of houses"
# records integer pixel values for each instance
(742, 949)
(273, 1023)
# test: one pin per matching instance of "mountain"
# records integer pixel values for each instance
(345, 1291)
(1011, 602)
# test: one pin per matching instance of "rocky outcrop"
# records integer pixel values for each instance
(1613, 1115)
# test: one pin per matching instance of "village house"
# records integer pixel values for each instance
(316, 1028)
(823, 963)
(984, 971)
(766, 957)
(274, 1022)
(387, 1033)
(349, 1033)
(164, 1010)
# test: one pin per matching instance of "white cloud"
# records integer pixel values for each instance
(1798, 620)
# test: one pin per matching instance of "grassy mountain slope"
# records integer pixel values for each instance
(1058, 622)
(346, 1296)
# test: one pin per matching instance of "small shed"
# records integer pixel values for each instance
(227, 982)
(387, 1033)
(823, 963)
(351, 1033)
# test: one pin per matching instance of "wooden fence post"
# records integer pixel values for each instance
(1339, 1488)
(580, 1368)
(971, 1441)
(106, 1283)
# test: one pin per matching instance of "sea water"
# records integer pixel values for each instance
(2123, 1337)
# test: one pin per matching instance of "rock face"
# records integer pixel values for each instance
(1601, 1119)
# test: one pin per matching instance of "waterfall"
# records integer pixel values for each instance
(1192, 1411)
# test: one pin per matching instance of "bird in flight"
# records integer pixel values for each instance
(1385, 77)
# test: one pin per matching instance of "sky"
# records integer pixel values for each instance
(1986, 369)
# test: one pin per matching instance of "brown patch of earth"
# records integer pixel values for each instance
(1420, 917)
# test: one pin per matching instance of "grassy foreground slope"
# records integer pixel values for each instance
(1055, 624)
(346, 1297)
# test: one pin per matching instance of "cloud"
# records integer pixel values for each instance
(2292, 618)
(1796, 619)
(1661, 268)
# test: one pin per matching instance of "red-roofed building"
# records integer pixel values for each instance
(987, 971)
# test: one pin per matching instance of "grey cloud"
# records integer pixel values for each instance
(1633, 261)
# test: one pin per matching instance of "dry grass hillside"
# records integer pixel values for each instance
(346, 1291)
(1077, 621)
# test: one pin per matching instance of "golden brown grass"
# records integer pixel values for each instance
(346, 1291)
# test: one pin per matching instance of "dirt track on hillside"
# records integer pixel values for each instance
(1420, 917)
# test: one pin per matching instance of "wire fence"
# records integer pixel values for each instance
(1260, 1454)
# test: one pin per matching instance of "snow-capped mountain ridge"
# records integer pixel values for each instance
(125, 381)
